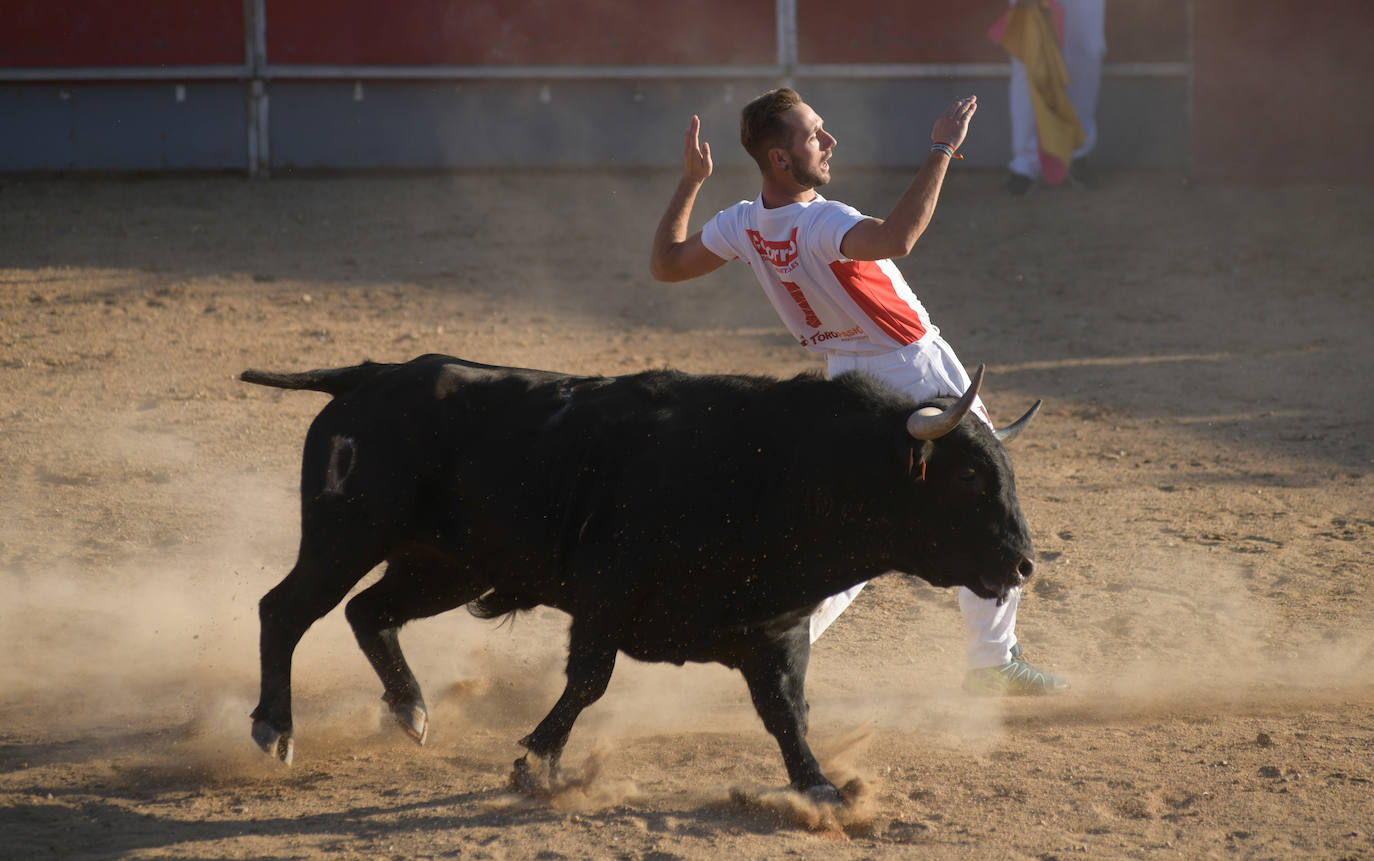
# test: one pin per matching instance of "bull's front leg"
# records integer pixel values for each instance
(776, 675)
(590, 664)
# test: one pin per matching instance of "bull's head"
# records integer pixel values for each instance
(976, 527)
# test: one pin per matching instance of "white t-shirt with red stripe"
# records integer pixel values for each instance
(828, 301)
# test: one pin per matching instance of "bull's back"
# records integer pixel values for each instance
(660, 487)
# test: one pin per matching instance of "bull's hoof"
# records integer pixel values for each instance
(414, 720)
(524, 780)
(825, 793)
(274, 743)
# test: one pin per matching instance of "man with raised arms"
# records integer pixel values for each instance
(828, 271)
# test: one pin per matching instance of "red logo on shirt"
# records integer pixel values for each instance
(795, 291)
(780, 254)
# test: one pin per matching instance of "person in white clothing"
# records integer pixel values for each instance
(1085, 43)
(828, 271)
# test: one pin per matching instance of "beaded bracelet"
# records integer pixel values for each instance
(941, 146)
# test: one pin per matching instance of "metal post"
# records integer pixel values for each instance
(255, 57)
(786, 11)
(1189, 158)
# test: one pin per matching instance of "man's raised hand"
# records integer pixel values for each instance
(696, 155)
(953, 125)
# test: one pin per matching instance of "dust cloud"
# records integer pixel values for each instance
(158, 656)
(1202, 631)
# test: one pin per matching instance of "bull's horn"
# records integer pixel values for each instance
(1013, 430)
(930, 423)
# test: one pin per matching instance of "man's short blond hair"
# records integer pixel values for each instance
(761, 126)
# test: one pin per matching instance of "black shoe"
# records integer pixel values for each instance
(1019, 185)
(1082, 176)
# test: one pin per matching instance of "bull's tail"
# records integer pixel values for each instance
(331, 381)
(495, 604)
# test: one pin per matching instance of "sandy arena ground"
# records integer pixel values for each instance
(1200, 486)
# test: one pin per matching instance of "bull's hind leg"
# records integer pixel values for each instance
(314, 587)
(413, 587)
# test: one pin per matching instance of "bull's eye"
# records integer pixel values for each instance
(969, 476)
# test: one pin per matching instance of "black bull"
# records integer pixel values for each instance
(674, 517)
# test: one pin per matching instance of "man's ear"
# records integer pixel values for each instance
(777, 157)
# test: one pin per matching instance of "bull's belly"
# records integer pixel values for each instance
(703, 641)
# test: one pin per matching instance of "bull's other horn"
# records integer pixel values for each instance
(928, 423)
(1013, 430)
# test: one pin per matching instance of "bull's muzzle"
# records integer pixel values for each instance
(1000, 587)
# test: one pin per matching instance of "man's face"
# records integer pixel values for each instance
(809, 156)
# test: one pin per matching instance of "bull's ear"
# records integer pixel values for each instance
(916, 461)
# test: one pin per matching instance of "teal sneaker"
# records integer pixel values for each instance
(1014, 678)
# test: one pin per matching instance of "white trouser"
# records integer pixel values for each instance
(1085, 42)
(929, 369)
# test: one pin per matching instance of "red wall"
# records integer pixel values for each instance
(521, 32)
(1281, 90)
(48, 33)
